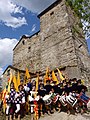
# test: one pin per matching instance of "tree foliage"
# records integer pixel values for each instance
(82, 9)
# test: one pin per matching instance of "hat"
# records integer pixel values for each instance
(68, 83)
(79, 81)
(21, 80)
(74, 79)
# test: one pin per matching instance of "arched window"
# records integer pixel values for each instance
(23, 42)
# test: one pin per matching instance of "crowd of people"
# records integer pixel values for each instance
(67, 95)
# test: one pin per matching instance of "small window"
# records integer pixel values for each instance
(51, 13)
(23, 42)
(80, 46)
(29, 49)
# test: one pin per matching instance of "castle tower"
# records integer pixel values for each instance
(60, 43)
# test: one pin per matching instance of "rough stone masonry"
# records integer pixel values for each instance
(60, 42)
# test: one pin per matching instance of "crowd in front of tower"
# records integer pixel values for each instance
(38, 97)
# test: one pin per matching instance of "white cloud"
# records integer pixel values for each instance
(7, 11)
(6, 52)
(33, 28)
(34, 5)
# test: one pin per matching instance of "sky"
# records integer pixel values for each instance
(17, 18)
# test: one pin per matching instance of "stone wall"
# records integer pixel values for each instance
(56, 39)
(57, 44)
(27, 54)
(6, 76)
(80, 45)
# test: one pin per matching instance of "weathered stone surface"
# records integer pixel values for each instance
(60, 42)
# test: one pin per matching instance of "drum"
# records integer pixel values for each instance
(54, 98)
(62, 100)
(47, 99)
(71, 100)
(88, 105)
(83, 98)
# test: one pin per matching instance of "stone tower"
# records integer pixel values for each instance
(60, 42)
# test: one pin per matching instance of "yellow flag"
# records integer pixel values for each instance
(61, 75)
(3, 99)
(9, 82)
(4, 107)
(15, 83)
(37, 80)
(54, 78)
(27, 75)
(83, 82)
(3, 94)
(18, 79)
(46, 77)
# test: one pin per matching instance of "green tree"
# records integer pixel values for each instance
(82, 9)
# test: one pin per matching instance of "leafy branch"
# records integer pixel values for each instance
(82, 9)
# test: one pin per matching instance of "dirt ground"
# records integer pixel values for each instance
(56, 116)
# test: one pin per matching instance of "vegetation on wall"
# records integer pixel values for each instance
(82, 9)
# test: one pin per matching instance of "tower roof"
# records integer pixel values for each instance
(48, 8)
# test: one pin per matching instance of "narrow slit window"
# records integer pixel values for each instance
(52, 13)
(23, 42)
(80, 46)
(8, 72)
(29, 49)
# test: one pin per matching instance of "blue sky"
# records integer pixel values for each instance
(17, 18)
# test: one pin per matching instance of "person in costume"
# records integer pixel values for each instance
(7, 105)
(81, 87)
(74, 84)
(68, 88)
(54, 98)
(41, 93)
(29, 84)
(20, 102)
(32, 97)
(55, 86)
(40, 83)
(82, 98)
(48, 87)
(11, 100)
